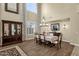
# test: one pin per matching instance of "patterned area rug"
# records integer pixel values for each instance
(12, 51)
(75, 51)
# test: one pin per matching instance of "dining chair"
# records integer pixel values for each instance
(37, 38)
(58, 41)
(42, 38)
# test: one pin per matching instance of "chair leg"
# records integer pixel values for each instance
(36, 41)
(57, 46)
(40, 42)
(60, 45)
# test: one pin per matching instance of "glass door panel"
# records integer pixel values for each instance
(18, 29)
(13, 30)
(6, 29)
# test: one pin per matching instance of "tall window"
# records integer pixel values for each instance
(30, 28)
(32, 7)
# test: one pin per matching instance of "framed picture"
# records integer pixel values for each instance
(12, 7)
(55, 27)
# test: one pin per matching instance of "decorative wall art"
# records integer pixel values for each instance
(12, 7)
(55, 27)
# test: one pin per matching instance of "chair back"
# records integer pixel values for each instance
(60, 37)
(37, 36)
(42, 37)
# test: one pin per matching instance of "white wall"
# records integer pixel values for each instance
(60, 11)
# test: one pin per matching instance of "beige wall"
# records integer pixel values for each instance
(10, 16)
(54, 12)
(23, 16)
(0, 25)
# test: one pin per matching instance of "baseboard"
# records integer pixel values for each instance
(66, 41)
(74, 44)
(28, 39)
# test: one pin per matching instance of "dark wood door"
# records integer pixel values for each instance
(12, 32)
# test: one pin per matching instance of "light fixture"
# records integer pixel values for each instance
(43, 23)
(65, 26)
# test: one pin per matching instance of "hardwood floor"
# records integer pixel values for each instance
(33, 49)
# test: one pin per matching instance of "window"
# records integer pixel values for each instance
(32, 7)
(30, 28)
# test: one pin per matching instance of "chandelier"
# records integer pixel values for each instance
(43, 23)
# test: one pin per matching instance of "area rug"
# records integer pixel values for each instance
(12, 51)
(75, 51)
